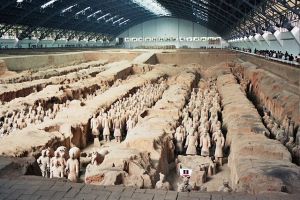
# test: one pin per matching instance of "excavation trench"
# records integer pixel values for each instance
(257, 164)
(71, 90)
(91, 146)
(136, 116)
(270, 102)
(207, 173)
(54, 98)
(48, 73)
(146, 151)
(16, 90)
(66, 128)
(81, 134)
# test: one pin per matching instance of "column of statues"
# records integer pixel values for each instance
(60, 163)
(201, 126)
(67, 74)
(124, 114)
(284, 130)
(31, 115)
(286, 133)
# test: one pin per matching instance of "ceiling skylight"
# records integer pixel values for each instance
(111, 19)
(124, 22)
(68, 9)
(153, 6)
(118, 21)
(83, 11)
(103, 16)
(49, 3)
(94, 14)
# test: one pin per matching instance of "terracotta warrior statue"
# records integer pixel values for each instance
(57, 166)
(179, 137)
(281, 136)
(106, 132)
(297, 140)
(44, 163)
(72, 167)
(95, 126)
(39, 108)
(205, 144)
(117, 130)
(185, 186)
(286, 124)
(162, 184)
(191, 144)
(63, 153)
(130, 123)
(97, 158)
(220, 141)
(291, 129)
(225, 187)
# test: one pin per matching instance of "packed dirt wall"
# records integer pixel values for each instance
(257, 164)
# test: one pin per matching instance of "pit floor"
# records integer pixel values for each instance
(32, 188)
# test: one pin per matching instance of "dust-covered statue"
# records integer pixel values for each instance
(72, 168)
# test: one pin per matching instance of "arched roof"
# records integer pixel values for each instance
(111, 17)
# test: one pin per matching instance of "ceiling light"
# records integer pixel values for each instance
(102, 17)
(124, 22)
(68, 9)
(118, 20)
(83, 11)
(49, 3)
(94, 14)
(153, 6)
(112, 18)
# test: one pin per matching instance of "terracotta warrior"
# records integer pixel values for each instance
(274, 129)
(179, 137)
(286, 123)
(205, 144)
(297, 140)
(281, 136)
(290, 144)
(44, 163)
(266, 117)
(95, 126)
(225, 187)
(106, 132)
(185, 186)
(162, 184)
(291, 128)
(117, 130)
(63, 153)
(72, 167)
(57, 166)
(220, 141)
(97, 158)
(39, 108)
(130, 123)
(191, 144)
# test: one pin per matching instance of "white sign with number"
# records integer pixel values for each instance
(186, 172)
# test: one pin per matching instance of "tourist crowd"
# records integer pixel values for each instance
(273, 54)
